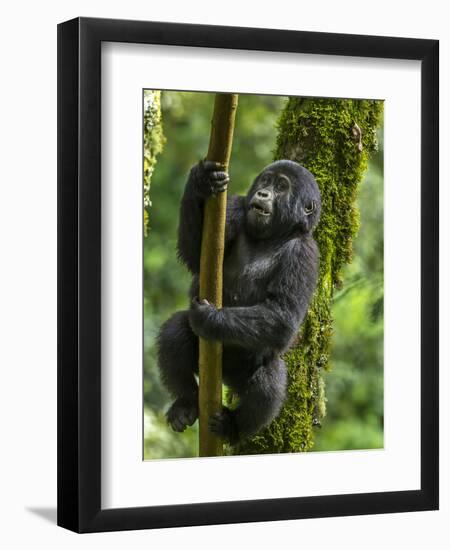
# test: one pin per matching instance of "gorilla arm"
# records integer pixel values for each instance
(204, 180)
(255, 327)
(272, 323)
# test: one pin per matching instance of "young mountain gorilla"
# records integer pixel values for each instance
(270, 273)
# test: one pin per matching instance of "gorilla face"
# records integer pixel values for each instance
(283, 199)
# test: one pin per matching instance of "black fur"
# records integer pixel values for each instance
(270, 273)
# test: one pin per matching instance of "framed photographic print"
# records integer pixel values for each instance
(247, 274)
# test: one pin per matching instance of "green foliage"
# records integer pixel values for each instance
(334, 139)
(153, 144)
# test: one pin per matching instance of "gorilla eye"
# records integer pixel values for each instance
(282, 184)
(310, 208)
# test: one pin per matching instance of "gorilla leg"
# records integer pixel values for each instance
(260, 401)
(178, 361)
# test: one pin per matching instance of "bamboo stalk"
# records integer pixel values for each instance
(211, 264)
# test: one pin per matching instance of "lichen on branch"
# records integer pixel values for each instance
(153, 144)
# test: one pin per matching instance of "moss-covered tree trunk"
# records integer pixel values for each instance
(333, 138)
(153, 144)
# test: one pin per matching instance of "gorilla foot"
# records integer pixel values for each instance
(182, 413)
(223, 424)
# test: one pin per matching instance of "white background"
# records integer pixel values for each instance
(126, 479)
(28, 287)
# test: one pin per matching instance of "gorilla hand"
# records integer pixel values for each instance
(209, 179)
(202, 318)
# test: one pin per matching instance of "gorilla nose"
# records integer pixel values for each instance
(264, 194)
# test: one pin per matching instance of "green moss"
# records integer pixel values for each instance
(153, 144)
(333, 138)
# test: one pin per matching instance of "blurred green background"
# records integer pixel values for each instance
(354, 387)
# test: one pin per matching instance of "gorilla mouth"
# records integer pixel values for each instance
(261, 209)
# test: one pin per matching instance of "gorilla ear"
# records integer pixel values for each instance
(310, 208)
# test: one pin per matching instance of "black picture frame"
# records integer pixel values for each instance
(79, 274)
